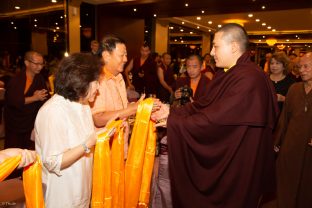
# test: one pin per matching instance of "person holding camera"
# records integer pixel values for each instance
(194, 85)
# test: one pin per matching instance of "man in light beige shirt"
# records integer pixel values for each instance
(111, 101)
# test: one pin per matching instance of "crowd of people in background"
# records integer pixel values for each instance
(222, 95)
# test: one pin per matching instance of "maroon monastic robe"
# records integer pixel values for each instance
(220, 147)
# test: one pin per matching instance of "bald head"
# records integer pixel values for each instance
(233, 32)
(305, 70)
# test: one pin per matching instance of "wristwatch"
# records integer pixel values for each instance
(85, 148)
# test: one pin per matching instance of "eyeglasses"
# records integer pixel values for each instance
(40, 64)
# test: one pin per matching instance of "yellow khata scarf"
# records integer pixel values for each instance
(116, 185)
(31, 180)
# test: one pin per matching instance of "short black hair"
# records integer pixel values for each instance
(74, 75)
(109, 42)
(198, 57)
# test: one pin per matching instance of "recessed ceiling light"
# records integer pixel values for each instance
(219, 26)
(186, 5)
(257, 20)
(182, 41)
(182, 23)
(263, 36)
(209, 30)
(54, 1)
(61, 17)
(269, 27)
(191, 32)
(203, 11)
(146, 31)
(250, 15)
(287, 40)
(296, 36)
(56, 23)
(35, 20)
(181, 30)
(264, 24)
(155, 15)
(15, 28)
(198, 18)
(263, 7)
(175, 40)
(198, 27)
(12, 23)
(209, 22)
(273, 30)
(134, 9)
(57, 28)
(17, 7)
(171, 28)
(259, 40)
(35, 25)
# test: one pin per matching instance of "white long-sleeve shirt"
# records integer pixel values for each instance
(61, 125)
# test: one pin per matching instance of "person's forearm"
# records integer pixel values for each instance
(72, 155)
(29, 100)
(100, 119)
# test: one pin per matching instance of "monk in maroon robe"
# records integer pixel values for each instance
(220, 147)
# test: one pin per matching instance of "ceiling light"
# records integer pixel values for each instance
(287, 40)
(263, 36)
(186, 5)
(57, 28)
(271, 41)
(155, 15)
(250, 15)
(264, 24)
(12, 23)
(219, 26)
(182, 23)
(56, 23)
(180, 38)
(296, 36)
(35, 20)
(259, 40)
(175, 40)
(35, 25)
(182, 41)
(269, 27)
(61, 17)
(198, 18)
(191, 32)
(209, 22)
(146, 31)
(263, 7)
(171, 28)
(17, 7)
(134, 9)
(203, 11)
(15, 28)
(198, 27)
(54, 1)
(209, 30)
(257, 20)
(273, 30)
(181, 30)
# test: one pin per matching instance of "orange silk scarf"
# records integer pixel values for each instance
(116, 185)
(31, 180)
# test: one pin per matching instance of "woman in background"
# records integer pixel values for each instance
(279, 76)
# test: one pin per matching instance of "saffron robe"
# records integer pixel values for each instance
(221, 147)
(293, 133)
(201, 87)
